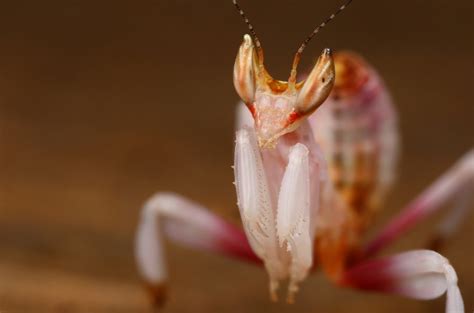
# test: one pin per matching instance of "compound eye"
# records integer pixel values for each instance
(317, 86)
(244, 72)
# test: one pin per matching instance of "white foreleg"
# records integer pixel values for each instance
(256, 208)
(293, 219)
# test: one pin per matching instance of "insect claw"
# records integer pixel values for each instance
(292, 290)
(290, 299)
(158, 294)
(273, 290)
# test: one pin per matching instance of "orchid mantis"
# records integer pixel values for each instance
(314, 160)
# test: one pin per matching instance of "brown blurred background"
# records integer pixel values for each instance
(102, 103)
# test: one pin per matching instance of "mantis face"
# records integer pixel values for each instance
(278, 107)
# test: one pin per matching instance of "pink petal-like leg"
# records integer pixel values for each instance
(419, 274)
(189, 224)
(457, 181)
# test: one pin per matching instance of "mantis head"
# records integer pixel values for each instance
(279, 107)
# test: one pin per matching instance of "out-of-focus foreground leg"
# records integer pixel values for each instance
(419, 274)
(456, 184)
(188, 224)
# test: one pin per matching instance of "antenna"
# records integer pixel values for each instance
(310, 36)
(252, 32)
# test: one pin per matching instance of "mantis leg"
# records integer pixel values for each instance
(418, 274)
(457, 182)
(293, 218)
(256, 207)
(458, 212)
(188, 224)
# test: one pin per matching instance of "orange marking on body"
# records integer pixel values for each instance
(252, 110)
(293, 117)
(351, 74)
